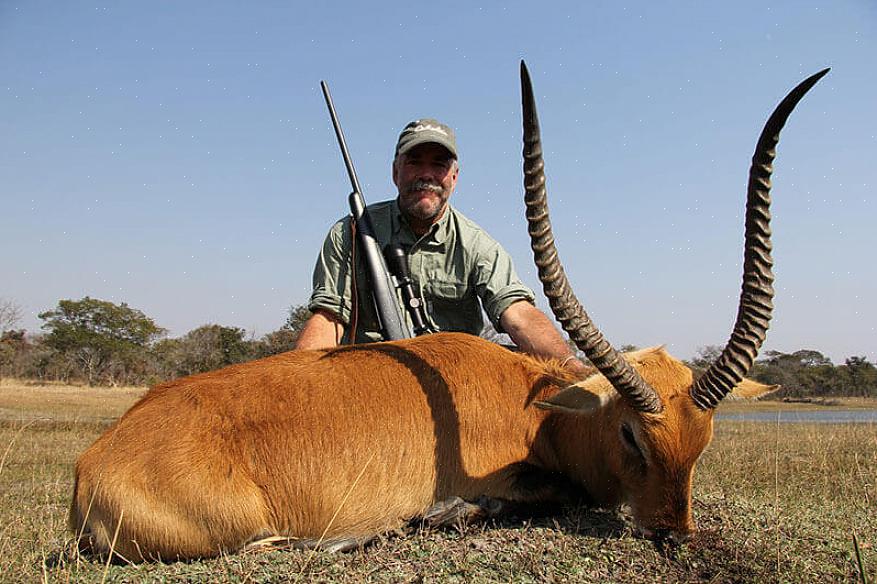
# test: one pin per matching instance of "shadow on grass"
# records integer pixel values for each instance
(568, 520)
(576, 520)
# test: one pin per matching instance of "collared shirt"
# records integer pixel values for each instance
(456, 269)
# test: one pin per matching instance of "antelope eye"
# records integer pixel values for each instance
(630, 443)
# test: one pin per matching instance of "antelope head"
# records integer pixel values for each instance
(652, 405)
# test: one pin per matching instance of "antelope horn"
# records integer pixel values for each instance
(565, 306)
(756, 296)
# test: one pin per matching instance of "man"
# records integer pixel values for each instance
(456, 267)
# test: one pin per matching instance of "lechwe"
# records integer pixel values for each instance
(331, 447)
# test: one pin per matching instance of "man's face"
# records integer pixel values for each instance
(425, 176)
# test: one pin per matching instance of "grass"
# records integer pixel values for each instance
(769, 405)
(774, 503)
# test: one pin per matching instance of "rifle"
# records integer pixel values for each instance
(397, 261)
(390, 317)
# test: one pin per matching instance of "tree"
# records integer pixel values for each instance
(859, 376)
(12, 343)
(210, 347)
(811, 358)
(284, 338)
(166, 359)
(804, 373)
(706, 356)
(99, 335)
(10, 314)
(279, 341)
(298, 316)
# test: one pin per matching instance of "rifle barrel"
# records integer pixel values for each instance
(387, 309)
(348, 163)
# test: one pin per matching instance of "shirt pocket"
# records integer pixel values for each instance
(444, 290)
(453, 306)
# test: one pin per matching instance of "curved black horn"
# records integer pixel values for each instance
(564, 304)
(756, 297)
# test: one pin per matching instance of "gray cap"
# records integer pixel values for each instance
(423, 131)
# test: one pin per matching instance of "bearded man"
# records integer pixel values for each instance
(456, 267)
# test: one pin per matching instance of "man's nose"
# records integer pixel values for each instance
(425, 171)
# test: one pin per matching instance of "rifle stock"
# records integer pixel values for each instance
(390, 316)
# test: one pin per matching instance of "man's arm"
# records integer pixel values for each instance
(535, 334)
(330, 300)
(322, 330)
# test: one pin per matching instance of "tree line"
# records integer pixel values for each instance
(805, 373)
(101, 343)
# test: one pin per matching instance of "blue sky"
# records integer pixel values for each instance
(177, 156)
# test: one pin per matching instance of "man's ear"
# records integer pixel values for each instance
(395, 171)
(575, 399)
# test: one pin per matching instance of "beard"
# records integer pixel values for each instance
(422, 207)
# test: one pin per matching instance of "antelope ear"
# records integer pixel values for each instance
(574, 399)
(751, 389)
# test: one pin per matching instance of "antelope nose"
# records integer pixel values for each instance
(671, 536)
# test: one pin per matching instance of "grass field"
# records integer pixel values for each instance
(774, 503)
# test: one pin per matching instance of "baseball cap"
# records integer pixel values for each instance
(423, 131)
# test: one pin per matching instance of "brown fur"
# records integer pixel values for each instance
(352, 441)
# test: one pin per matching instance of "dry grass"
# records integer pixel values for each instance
(26, 400)
(775, 503)
(768, 405)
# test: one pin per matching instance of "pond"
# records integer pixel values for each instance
(819, 416)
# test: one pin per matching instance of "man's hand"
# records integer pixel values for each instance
(535, 334)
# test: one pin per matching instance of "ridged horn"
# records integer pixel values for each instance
(564, 304)
(756, 297)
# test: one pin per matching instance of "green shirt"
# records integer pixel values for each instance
(456, 268)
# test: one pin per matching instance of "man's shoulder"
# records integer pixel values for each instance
(470, 232)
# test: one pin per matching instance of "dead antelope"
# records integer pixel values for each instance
(332, 447)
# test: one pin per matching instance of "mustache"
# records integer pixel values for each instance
(425, 185)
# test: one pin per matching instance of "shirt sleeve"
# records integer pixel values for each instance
(332, 273)
(496, 282)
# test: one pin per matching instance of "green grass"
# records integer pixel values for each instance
(774, 503)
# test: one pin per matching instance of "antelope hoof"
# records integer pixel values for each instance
(455, 511)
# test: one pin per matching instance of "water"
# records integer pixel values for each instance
(819, 416)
